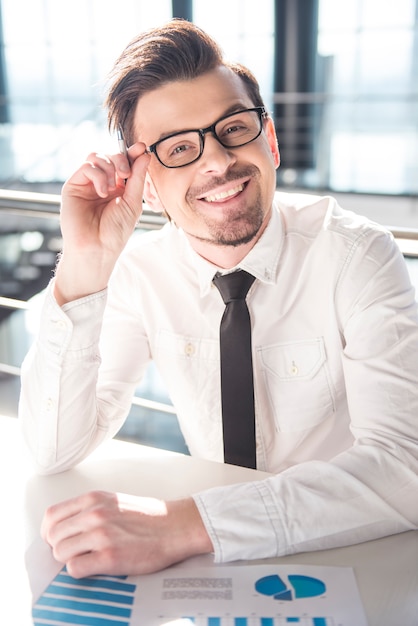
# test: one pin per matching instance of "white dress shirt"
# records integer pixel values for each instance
(335, 345)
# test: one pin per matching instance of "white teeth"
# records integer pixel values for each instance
(224, 194)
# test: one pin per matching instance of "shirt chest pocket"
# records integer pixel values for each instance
(297, 383)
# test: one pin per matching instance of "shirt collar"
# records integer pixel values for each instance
(262, 261)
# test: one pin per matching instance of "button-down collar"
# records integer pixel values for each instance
(262, 261)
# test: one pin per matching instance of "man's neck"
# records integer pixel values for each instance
(225, 256)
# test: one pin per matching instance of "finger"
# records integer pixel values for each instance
(136, 150)
(122, 167)
(86, 541)
(84, 565)
(57, 512)
(110, 165)
(92, 551)
(91, 178)
(67, 511)
(104, 172)
(94, 563)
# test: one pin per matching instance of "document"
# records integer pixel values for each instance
(213, 595)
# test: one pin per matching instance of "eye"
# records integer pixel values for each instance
(176, 150)
(180, 153)
(235, 127)
(179, 149)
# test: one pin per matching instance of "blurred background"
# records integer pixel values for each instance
(340, 78)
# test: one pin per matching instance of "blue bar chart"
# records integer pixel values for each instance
(96, 601)
(256, 621)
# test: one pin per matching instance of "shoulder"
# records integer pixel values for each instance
(315, 216)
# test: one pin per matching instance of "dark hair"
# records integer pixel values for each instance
(179, 50)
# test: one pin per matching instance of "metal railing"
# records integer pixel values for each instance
(26, 204)
(47, 205)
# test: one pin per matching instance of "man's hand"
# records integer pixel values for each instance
(101, 204)
(104, 533)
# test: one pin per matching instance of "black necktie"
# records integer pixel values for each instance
(237, 370)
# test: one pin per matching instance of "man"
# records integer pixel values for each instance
(333, 316)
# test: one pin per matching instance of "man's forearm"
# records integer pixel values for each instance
(57, 406)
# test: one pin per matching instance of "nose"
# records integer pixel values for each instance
(215, 157)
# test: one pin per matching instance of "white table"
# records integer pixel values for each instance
(386, 569)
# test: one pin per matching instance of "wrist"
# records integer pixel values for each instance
(188, 536)
(77, 277)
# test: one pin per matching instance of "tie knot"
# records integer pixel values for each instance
(233, 286)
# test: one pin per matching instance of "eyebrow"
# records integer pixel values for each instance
(234, 108)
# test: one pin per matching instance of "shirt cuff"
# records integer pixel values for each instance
(73, 328)
(242, 521)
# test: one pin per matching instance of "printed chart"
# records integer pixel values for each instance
(253, 621)
(299, 587)
(247, 595)
(96, 601)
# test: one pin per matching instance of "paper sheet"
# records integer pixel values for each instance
(232, 595)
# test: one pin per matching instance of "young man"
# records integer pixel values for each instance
(333, 320)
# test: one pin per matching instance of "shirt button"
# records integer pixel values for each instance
(294, 369)
(60, 323)
(49, 404)
(189, 349)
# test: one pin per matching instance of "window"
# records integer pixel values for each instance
(363, 106)
(368, 137)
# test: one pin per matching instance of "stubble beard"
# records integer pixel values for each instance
(237, 228)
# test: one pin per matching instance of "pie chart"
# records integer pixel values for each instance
(299, 587)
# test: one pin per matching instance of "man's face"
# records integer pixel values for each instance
(224, 198)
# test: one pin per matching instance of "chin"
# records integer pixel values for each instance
(237, 241)
(235, 237)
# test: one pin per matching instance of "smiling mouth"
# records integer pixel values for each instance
(219, 197)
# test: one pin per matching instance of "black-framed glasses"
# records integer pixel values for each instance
(232, 131)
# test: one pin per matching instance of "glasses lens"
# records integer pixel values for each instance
(179, 150)
(238, 129)
(232, 131)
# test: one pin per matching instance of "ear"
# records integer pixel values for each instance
(151, 196)
(272, 139)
